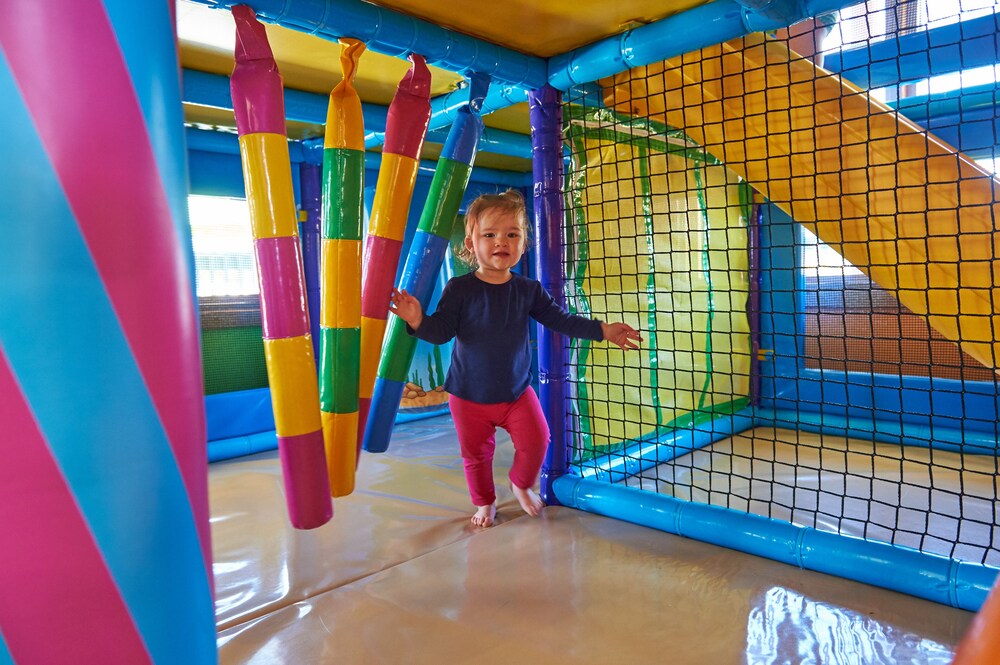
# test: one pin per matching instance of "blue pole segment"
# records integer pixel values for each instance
(973, 133)
(942, 50)
(936, 436)
(381, 419)
(207, 140)
(386, 31)
(420, 275)
(649, 452)
(936, 578)
(546, 138)
(921, 108)
(445, 108)
(502, 142)
(489, 176)
(463, 139)
(310, 176)
(705, 25)
(497, 141)
(239, 446)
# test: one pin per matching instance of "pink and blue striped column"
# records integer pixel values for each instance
(106, 555)
(288, 352)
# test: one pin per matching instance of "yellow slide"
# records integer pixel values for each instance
(916, 216)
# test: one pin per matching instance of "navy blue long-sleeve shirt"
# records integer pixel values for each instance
(491, 357)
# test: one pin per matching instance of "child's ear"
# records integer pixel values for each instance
(468, 242)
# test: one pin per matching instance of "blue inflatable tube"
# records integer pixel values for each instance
(646, 454)
(936, 578)
(885, 431)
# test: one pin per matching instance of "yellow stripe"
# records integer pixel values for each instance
(291, 373)
(267, 174)
(340, 435)
(393, 192)
(372, 332)
(340, 305)
(345, 124)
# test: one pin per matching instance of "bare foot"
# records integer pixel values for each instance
(484, 515)
(528, 499)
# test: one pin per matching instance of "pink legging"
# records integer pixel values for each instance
(477, 425)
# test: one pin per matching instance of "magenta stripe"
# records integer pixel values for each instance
(283, 309)
(381, 260)
(258, 97)
(409, 111)
(307, 485)
(59, 602)
(60, 54)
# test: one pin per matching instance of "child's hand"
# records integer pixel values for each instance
(406, 307)
(621, 334)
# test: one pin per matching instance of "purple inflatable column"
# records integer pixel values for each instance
(546, 143)
(310, 214)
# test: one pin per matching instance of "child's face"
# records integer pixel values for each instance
(497, 240)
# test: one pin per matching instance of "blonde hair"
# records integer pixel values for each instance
(510, 202)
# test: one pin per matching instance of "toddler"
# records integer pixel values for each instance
(488, 313)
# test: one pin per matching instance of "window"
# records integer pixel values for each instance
(821, 260)
(223, 247)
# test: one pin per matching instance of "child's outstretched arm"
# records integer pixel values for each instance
(621, 334)
(406, 307)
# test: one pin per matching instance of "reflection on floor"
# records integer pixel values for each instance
(400, 577)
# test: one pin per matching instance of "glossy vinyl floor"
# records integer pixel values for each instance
(399, 577)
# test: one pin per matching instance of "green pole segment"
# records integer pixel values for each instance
(343, 193)
(340, 329)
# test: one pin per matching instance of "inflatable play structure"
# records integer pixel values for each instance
(812, 263)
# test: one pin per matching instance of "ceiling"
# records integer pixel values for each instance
(311, 63)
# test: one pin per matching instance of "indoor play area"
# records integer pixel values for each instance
(220, 446)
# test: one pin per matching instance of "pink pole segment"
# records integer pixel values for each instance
(409, 113)
(260, 106)
(283, 301)
(309, 498)
(379, 283)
